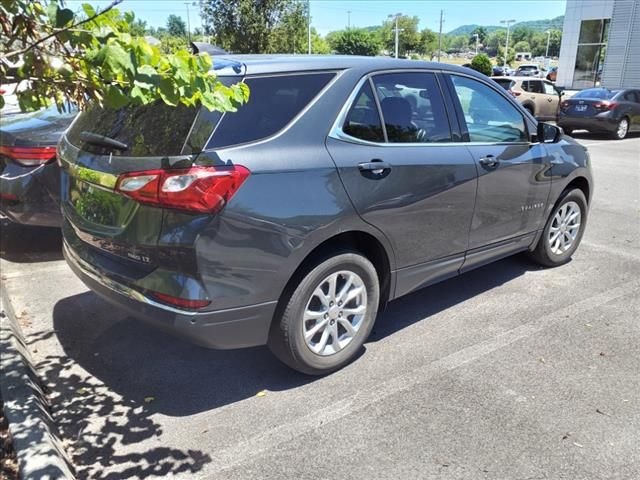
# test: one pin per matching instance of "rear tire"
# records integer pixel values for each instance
(530, 110)
(622, 129)
(568, 131)
(328, 316)
(563, 231)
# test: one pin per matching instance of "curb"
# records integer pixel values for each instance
(35, 437)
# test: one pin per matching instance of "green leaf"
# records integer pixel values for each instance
(63, 17)
(114, 98)
(89, 11)
(116, 58)
(168, 91)
(139, 95)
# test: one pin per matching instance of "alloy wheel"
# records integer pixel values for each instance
(564, 228)
(334, 313)
(623, 128)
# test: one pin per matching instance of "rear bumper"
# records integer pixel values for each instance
(221, 329)
(596, 123)
(27, 196)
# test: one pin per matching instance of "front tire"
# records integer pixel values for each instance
(563, 231)
(622, 129)
(328, 316)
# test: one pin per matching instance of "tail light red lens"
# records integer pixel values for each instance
(29, 156)
(515, 93)
(195, 189)
(602, 106)
(181, 302)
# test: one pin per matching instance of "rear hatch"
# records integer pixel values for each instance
(100, 148)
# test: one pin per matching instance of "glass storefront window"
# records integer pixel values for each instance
(592, 45)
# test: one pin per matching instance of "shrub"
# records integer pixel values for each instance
(482, 64)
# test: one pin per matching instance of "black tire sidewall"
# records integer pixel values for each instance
(296, 352)
(551, 258)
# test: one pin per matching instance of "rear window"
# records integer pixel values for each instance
(505, 83)
(149, 130)
(273, 103)
(601, 93)
(528, 67)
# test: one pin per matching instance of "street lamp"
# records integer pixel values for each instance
(548, 32)
(477, 37)
(396, 30)
(506, 49)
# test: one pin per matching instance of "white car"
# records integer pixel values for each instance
(529, 70)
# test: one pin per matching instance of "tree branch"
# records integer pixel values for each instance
(57, 32)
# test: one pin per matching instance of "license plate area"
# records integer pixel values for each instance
(581, 108)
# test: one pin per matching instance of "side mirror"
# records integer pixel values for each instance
(548, 133)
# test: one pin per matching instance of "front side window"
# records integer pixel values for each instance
(412, 107)
(489, 116)
(535, 86)
(363, 119)
(273, 103)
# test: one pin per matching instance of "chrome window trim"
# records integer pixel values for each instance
(337, 133)
(293, 121)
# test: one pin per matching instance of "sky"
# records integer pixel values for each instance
(328, 15)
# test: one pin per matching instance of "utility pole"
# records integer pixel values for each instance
(440, 36)
(309, 24)
(188, 23)
(477, 37)
(397, 31)
(546, 55)
(506, 48)
(348, 19)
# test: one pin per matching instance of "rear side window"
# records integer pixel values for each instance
(148, 130)
(363, 120)
(505, 83)
(273, 103)
(597, 93)
(412, 108)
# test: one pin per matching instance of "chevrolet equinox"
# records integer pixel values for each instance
(344, 183)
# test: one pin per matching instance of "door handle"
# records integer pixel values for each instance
(376, 167)
(489, 161)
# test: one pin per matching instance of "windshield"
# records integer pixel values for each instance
(600, 93)
(528, 67)
(505, 83)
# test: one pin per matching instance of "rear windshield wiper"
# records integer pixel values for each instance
(101, 140)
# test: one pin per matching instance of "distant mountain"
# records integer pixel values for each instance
(538, 25)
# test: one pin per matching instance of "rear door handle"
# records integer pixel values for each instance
(375, 166)
(489, 161)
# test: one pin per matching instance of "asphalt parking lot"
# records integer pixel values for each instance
(507, 372)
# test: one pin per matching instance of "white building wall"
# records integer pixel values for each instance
(576, 12)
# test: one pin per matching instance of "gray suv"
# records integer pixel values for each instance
(344, 183)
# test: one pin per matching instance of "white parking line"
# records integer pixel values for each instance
(269, 440)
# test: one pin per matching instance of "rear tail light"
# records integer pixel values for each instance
(181, 302)
(29, 156)
(564, 105)
(515, 93)
(196, 189)
(602, 106)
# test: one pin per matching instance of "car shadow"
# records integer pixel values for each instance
(586, 135)
(25, 244)
(136, 371)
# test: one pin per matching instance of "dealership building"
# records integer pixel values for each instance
(600, 44)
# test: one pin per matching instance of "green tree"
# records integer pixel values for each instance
(458, 43)
(138, 27)
(510, 57)
(355, 41)
(482, 64)
(94, 58)
(176, 26)
(522, 46)
(494, 40)
(319, 45)
(250, 26)
(408, 38)
(482, 35)
(428, 45)
(171, 44)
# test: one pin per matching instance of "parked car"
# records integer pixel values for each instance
(497, 71)
(539, 97)
(616, 112)
(344, 183)
(529, 70)
(29, 175)
(552, 75)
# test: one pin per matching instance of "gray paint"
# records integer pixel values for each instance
(432, 212)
